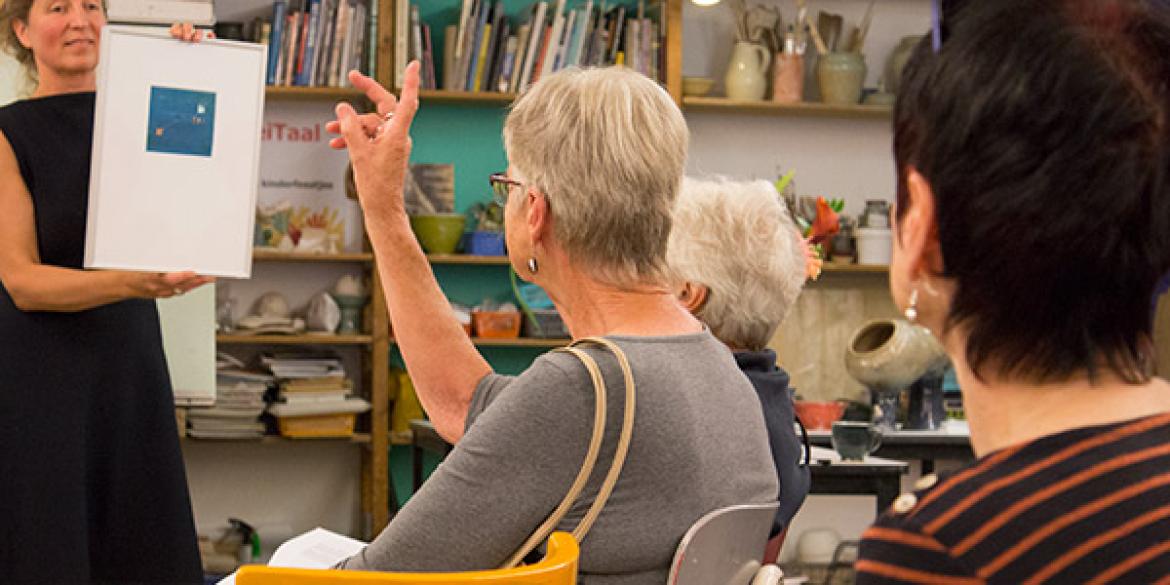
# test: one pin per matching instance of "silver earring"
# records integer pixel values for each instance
(912, 310)
(532, 267)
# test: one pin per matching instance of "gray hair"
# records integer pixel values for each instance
(607, 147)
(738, 240)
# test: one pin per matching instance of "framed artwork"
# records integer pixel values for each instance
(176, 154)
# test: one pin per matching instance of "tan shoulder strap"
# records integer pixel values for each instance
(586, 470)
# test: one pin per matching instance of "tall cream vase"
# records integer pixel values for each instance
(747, 73)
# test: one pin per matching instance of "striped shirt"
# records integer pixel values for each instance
(1090, 505)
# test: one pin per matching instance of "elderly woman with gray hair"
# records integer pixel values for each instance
(596, 160)
(738, 264)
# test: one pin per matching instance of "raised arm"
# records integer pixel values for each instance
(38, 287)
(444, 365)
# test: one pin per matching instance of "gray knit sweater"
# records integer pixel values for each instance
(699, 443)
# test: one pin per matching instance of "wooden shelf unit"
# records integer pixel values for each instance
(514, 342)
(446, 96)
(829, 267)
(302, 339)
(275, 256)
(468, 259)
(802, 109)
(298, 93)
(357, 439)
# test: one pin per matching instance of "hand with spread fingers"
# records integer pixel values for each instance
(379, 143)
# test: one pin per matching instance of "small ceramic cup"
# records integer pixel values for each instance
(854, 440)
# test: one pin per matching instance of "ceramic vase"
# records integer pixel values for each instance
(887, 356)
(897, 62)
(787, 78)
(840, 77)
(746, 77)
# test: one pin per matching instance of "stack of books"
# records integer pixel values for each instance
(314, 399)
(488, 51)
(314, 43)
(239, 402)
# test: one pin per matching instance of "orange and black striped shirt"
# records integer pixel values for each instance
(1090, 505)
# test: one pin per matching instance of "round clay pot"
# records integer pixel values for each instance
(887, 355)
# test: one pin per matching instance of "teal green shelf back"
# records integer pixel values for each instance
(468, 136)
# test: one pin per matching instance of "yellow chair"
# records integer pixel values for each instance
(559, 567)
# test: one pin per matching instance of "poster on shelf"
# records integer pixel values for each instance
(176, 153)
(302, 203)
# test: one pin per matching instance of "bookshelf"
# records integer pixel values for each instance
(307, 339)
(371, 348)
(272, 256)
(801, 109)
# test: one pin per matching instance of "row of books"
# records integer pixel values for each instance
(314, 43)
(487, 51)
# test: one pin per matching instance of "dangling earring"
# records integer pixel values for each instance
(912, 310)
(532, 267)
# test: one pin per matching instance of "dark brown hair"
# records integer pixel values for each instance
(1043, 128)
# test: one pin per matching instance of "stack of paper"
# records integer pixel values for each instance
(311, 384)
(239, 402)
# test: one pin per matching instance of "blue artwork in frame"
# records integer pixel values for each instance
(182, 121)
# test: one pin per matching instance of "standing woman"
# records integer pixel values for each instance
(92, 486)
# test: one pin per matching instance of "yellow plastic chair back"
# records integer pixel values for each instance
(559, 567)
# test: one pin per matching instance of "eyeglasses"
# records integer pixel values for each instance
(501, 184)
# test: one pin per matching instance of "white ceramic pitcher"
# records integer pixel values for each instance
(746, 77)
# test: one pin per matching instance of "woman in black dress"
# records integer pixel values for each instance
(92, 484)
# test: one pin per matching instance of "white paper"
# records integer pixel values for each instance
(188, 332)
(315, 549)
(176, 154)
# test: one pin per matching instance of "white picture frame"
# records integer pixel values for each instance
(176, 154)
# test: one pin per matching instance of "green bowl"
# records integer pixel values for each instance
(438, 233)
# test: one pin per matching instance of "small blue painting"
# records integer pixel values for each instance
(182, 121)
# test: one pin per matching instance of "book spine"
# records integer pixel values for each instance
(339, 39)
(401, 36)
(518, 59)
(497, 21)
(497, 61)
(553, 39)
(416, 47)
(504, 83)
(450, 37)
(482, 30)
(290, 46)
(429, 57)
(351, 28)
(301, 39)
(276, 31)
(535, 34)
(372, 38)
(481, 58)
(563, 45)
(305, 74)
(357, 34)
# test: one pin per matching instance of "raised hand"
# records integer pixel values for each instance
(379, 144)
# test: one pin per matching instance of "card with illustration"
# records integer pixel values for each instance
(182, 121)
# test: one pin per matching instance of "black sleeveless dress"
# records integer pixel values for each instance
(92, 484)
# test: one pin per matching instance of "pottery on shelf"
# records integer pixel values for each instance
(840, 77)
(746, 77)
(890, 354)
(887, 356)
(897, 61)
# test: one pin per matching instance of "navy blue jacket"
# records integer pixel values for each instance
(771, 384)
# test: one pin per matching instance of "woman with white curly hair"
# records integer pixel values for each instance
(738, 264)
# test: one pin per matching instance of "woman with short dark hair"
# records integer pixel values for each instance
(1032, 140)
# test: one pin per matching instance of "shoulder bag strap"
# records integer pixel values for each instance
(586, 470)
